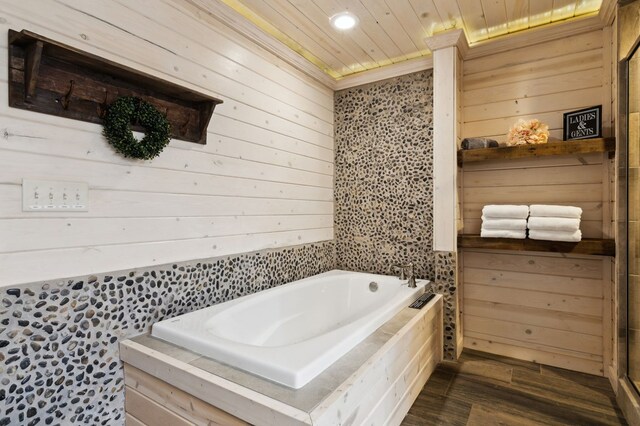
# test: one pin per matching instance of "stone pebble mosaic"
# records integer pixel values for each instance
(384, 185)
(59, 358)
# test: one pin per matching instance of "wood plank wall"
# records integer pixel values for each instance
(265, 178)
(550, 308)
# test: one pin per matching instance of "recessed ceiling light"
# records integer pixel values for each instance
(344, 20)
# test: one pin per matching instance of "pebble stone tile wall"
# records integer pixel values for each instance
(384, 183)
(59, 361)
(445, 284)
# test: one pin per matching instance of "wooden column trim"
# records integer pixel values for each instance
(447, 63)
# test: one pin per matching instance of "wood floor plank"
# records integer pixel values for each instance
(437, 410)
(438, 383)
(485, 389)
(583, 378)
(568, 392)
(515, 401)
(484, 416)
(481, 368)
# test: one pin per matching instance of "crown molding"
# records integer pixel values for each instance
(531, 36)
(383, 73)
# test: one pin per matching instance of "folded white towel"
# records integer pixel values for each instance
(572, 237)
(506, 211)
(564, 224)
(555, 211)
(502, 233)
(506, 224)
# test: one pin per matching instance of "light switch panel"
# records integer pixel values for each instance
(54, 196)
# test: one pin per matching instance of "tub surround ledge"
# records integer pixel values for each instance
(374, 383)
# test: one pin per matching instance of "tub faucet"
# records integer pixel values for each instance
(406, 273)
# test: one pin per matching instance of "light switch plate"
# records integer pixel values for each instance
(54, 196)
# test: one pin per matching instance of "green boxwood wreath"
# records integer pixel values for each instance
(117, 128)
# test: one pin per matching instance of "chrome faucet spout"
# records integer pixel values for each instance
(406, 272)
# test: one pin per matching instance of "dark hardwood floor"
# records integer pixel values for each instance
(483, 389)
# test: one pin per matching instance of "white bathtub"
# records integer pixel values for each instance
(291, 333)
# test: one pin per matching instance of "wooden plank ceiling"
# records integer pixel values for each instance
(392, 31)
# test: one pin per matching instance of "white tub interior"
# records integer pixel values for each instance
(291, 333)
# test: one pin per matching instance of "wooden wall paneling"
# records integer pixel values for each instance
(388, 23)
(143, 179)
(533, 281)
(341, 62)
(429, 16)
(174, 400)
(411, 23)
(372, 28)
(517, 14)
(311, 10)
(496, 16)
(68, 137)
(474, 20)
(547, 263)
(271, 150)
(584, 174)
(190, 21)
(543, 51)
(535, 353)
(551, 337)
(526, 106)
(449, 12)
(535, 299)
(360, 38)
(18, 265)
(150, 412)
(132, 421)
(563, 9)
(548, 308)
(532, 87)
(59, 233)
(543, 307)
(540, 12)
(568, 322)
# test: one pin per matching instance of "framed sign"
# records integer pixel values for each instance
(583, 124)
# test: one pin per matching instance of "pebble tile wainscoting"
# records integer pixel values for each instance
(384, 184)
(59, 339)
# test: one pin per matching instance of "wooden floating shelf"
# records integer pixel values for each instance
(51, 78)
(583, 146)
(592, 246)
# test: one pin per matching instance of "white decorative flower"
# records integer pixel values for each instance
(528, 133)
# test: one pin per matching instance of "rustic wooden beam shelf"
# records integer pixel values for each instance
(51, 78)
(584, 146)
(592, 246)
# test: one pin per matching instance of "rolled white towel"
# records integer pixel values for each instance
(572, 237)
(564, 224)
(507, 211)
(506, 224)
(503, 233)
(543, 210)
